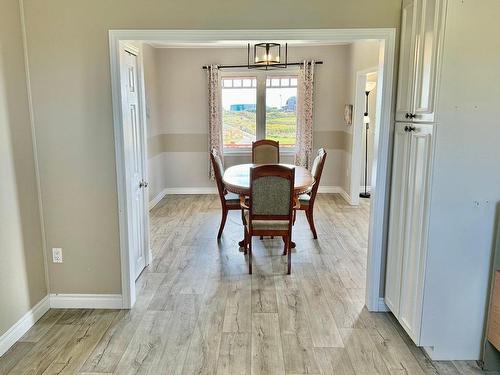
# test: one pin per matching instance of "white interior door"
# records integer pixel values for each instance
(134, 158)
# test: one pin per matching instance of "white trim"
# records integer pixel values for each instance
(34, 145)
(128, 283)
(335, 190)
(212, 190)
(346, 196)
(330, 190)
(86, 301)
(22, 326)
(191, 190)
(382, 307)
(381, 158)
(387, 39)
(156, 199)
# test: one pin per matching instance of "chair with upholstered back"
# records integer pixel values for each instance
(229, 201)
(307, 200)
(269, 211)
(265, 151)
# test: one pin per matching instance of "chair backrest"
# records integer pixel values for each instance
(218, 172)
(266, 151)
(317, 171)
(271, 192)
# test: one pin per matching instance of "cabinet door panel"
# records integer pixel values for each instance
(427, 49)
(407, 57)
(415, 242)
(397, 217)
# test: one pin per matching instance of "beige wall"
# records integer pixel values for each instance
(69, 66)
(157, 174)
(182, 144)
(22, 275)
(362, 56)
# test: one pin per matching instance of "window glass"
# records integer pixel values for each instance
(240, 106)
(239, 112)
(281, 112)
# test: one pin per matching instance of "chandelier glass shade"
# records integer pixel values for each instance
(267, 56)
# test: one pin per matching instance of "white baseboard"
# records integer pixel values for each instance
(180, 191)
(22, 326)
(346, 196)
(362, 188)
(330, 189)
(86, 301)
(191, 190)
(153, 202)
(335, 190)
(213, 190)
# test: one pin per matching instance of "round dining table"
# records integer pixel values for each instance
(237, 180)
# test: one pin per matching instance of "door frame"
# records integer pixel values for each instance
(357, 130)
(378, 213)
(128, 274)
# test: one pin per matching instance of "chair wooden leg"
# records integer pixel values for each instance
(222, 223)
(284, 245)
(310, 220)
(250, 255)
(294, 216)
(261, 237)
(288, 241)
(245, 241)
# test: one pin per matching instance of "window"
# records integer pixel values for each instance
(259, 106)
(239, 118)
(281, 110)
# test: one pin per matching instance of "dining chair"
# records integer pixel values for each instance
(269, 209)
(266, 151)
(229, 201)
(307, 200)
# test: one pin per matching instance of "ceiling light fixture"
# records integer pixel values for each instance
(267, 56)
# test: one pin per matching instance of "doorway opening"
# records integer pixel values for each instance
(204, 38)
(364, 128)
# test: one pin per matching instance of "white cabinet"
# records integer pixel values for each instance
(422, 30)
(408, 221)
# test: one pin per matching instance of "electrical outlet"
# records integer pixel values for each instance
(57, 255)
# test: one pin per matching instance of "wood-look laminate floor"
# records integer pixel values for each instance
(199, 312)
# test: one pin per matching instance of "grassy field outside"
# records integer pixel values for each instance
(239, 127)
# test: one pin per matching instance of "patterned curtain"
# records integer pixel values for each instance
(305, 91)
(214, 116)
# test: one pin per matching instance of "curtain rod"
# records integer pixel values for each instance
(262, 66)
